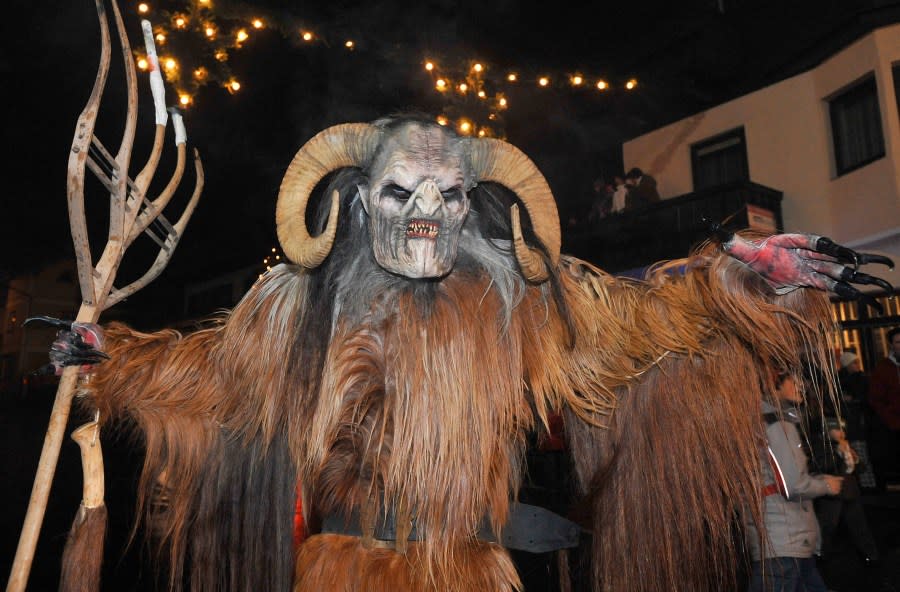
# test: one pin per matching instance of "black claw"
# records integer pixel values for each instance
(828, 247)
(872, 303)
(716, 230)
(844, 255)
(45, 370)
(52, 321)
(845, 290)
(866, 258)
(857, 277)
(77, 357)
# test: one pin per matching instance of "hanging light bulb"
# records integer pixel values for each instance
(160, 38)
(440, 84)
(602, 85)
(577, 80)
(257, 24)
(512, 77)
(465, 126)
(477, 67)
(543, 81)
(631, 84)
(242, 35)
(142, 64)
(429, 66)
(184, 99)
(143, 8)
(441, 120)
(349, 44)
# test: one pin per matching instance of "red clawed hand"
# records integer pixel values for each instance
(790, 261)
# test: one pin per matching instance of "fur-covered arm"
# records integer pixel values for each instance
(208, 406)
(154, 378)
(226, 375)
(663, 413)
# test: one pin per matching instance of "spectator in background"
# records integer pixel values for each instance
(884, 401)
(641, 189)
(832, 453)
(783, 558)
(854, 391)
(601, 200)
(619, 196)
(854, 387)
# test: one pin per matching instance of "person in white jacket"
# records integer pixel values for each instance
(783, 558)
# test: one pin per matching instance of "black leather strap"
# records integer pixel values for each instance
(529, 528)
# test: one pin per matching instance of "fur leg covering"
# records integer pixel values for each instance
(83, 554)
(338, 562)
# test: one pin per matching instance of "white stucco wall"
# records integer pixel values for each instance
(789, 148)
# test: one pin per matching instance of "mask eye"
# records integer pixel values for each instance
(454, 194)
(397, 192)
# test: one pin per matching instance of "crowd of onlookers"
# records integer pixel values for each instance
(621, 193)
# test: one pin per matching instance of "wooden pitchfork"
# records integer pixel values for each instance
(131, 213)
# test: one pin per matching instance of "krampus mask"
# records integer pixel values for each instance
(419, 175)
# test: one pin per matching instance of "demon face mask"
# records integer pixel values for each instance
(419, 174)
(417, 201)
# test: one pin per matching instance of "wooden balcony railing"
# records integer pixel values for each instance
(670, 228)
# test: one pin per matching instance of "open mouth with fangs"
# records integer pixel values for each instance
(422, 229)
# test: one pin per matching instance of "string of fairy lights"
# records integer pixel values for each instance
(272, 259)
(195, 43)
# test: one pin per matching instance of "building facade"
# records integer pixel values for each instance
(52, 292)
(827, 138)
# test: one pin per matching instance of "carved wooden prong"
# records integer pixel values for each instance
(166, 251)
(153, 208)
(159, 105)
(142, 181)
(84, 132)
(123, 156)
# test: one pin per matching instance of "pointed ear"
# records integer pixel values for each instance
(364, 196)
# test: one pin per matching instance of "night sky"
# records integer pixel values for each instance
(686, 56)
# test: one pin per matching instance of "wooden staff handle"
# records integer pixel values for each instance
(88, 439)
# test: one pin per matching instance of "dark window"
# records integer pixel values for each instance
(720, 160)
(856, 126)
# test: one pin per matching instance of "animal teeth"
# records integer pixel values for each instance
(422, 229)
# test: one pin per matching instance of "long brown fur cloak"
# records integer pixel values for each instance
(420, 394)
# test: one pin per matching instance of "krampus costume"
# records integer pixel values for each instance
(395, 369)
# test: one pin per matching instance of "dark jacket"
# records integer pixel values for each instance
(642, 194)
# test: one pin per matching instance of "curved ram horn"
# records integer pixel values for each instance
(345, 145)
(501, 162)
